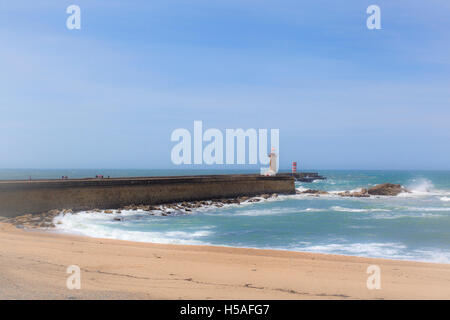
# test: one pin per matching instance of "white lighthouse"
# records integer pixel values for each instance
(272, 170)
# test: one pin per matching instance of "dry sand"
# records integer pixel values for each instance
(33, 266)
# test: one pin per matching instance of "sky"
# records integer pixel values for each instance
(110, 94)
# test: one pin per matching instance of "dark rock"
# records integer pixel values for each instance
(358, 194)
(361, 194)
(312, 191)
(386, 189)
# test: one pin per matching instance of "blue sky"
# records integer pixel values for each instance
(110, 95)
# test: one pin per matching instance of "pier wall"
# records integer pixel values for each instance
(31, 197)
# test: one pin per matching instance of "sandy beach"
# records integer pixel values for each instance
(33, 265)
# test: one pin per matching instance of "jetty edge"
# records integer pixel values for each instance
(19, 197)
(303, 176)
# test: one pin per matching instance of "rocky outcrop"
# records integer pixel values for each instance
(357, 194)
(31, 221)
(312, 191)
(386, 189)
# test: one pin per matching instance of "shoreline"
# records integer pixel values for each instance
(33, 266)
(75, 234)
(219, 247)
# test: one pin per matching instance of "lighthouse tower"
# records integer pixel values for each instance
(272, 170)
(273, 161)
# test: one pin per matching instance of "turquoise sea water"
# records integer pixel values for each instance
(411, 226)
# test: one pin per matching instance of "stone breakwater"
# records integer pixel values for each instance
(46, 220)
(18, 198)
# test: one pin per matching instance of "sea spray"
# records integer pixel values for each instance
(421, 185)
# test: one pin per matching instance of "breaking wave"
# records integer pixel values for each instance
(342, 209)
(100, 225)
(420, 186)
(380, 250)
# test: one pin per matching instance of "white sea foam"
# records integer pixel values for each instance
(301, 189)
(342, 209)
(437, 256)
(312, 210)
(260, 212)
(380, 250)
(267, 212)
(100, 225)
(303, 196)
(369, 249)
(445, 199)
(391, 216)
(420, 186)
(429, 209)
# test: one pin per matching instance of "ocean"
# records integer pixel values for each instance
(411, 226)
